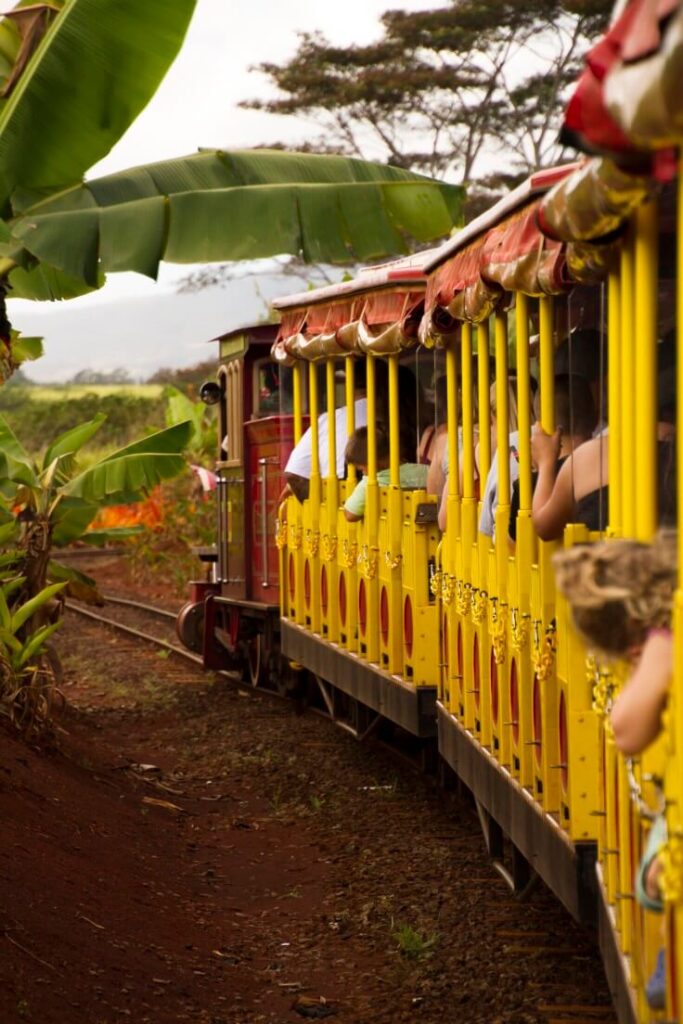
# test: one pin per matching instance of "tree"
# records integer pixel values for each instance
(444, 90)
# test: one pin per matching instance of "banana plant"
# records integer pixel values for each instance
(27, 672)
(74, 74)
(51, 502)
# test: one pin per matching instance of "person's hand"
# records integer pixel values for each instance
(652, 876)
(545, 448)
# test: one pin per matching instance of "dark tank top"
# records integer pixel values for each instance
(593, 509)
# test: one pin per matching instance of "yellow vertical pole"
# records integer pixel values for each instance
(523, 401)
(312, 511)
(547, 375)
(544, 612)
(331, 424)
(295, 511)
(394, 448)
(467, 415)
(498, 586)
(646, 239)
(484, 403)
(453, 530)
(297, 401)
(503, 452)
(468, 535)
(614, 406)
(519, 596)
(370, 553)
(347, 535)
(628, 419)
(350, 391)
(329, 570)
(393, 656)
(674, 772)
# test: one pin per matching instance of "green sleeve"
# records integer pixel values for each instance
(355, 503)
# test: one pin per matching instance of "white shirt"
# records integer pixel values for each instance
(489, 501)
(299, 462)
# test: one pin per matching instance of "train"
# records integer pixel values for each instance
(455, 638)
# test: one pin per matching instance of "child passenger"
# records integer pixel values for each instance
(412, 475)
(621, 594)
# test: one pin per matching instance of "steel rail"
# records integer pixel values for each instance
(136, 633)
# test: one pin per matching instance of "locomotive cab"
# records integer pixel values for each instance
(232, 617)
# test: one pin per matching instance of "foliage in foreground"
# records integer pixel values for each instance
(47, 503)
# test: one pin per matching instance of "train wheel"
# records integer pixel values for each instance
(255, 661)
(190, 626)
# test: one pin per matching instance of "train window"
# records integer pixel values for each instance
(286, 390)
(266, 397)
(231, 413)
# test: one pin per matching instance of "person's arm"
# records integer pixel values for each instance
(435, 472)
(298, 485)
(553, 499)
(637, 713)
(443, 507)
(354, 507)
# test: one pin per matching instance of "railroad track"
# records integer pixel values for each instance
(139, 608)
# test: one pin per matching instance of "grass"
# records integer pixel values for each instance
(413, 945)
(70, 391)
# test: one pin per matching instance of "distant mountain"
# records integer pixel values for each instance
(143, 332)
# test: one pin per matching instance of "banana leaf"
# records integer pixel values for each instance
(98, 538)
(25, 611)
(125, 478)
(70, 519)
(73, 440)
(96, 67)
(78, 585)
(215, 206)
(15, 464)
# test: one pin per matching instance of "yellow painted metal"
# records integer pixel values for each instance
(312, 514)
(295, 525)
(329, 542)
(390, 542)
(456, 686)
(480, 566)
(346, 598)
(483, 401)
(578, 768)
(614, 405)
(628, 420)
(526, 743)
(645, 394)
(368, 582)
(551, 772)
(471, 655)
(297, 373)
(499, 666)
(419, 606)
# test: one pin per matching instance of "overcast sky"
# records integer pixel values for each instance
(197, 105)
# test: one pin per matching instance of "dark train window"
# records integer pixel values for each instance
(266, 388)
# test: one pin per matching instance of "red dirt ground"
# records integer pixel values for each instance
(263, 862)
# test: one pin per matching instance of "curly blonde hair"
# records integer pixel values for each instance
(619, 589)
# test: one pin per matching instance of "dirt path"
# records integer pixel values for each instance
(262, 862)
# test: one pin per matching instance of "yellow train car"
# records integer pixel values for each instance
(428, 598)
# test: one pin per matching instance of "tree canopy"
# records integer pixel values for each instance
(452, 91)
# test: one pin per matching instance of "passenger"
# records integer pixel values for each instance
(621, 594)
(430, 442)
(575, 411)
(299, 465)
(583, 353)
(487, 518)
(413, 476)
(578, 493)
